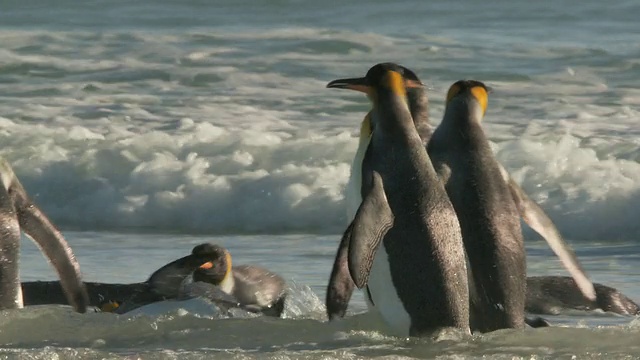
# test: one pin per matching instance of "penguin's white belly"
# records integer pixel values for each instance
(19, 300)
(385, 297)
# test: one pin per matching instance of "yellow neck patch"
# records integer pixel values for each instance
(481, 95)
(227, 256)
(395, 82)
(478, 92)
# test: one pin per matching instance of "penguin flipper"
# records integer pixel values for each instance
(535, 217)
(37, 226)
(371, 223)
(11, 294)
(341, 285)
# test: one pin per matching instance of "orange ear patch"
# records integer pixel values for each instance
(109, 306)
(396, 83)
(480, 93)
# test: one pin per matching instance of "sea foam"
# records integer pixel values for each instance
(235, 132)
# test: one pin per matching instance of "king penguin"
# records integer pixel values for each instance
(486, 210)
(18, 212)
(404, 243)
(340, 285)
(253, 287)
(248, 287)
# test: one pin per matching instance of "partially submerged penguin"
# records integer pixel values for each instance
(253, 288)
(248, 287)
(555, 294)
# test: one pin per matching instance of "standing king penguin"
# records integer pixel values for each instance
(18, 212)
(404, 243)
(486, 210)
(341, 285)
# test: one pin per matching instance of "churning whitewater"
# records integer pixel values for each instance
(172, 132)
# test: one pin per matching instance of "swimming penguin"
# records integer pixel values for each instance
(404, 243)
(340, 285)
(18, 212)
(486, 210)
(251, 288)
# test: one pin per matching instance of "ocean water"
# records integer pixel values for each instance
(144, 128)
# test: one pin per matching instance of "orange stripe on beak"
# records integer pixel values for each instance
(206, 266)
(357, 84)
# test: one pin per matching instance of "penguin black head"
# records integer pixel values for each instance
(470, 88)
(215, 263)
(415, 94)
(207, 262)
(378, 77)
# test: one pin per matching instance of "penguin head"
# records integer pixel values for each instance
(415, 95)
(472, 93)
(383, 76)
(215, 263)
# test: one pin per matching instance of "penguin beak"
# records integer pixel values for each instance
(206, 266)
(361, 84)
(357, 84)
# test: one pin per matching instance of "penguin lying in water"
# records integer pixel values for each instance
(546, 295)
(18, 213)
(553, 294)
(252, 288)
(207, 273)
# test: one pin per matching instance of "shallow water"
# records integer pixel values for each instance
(144, 128)
(194, 328)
